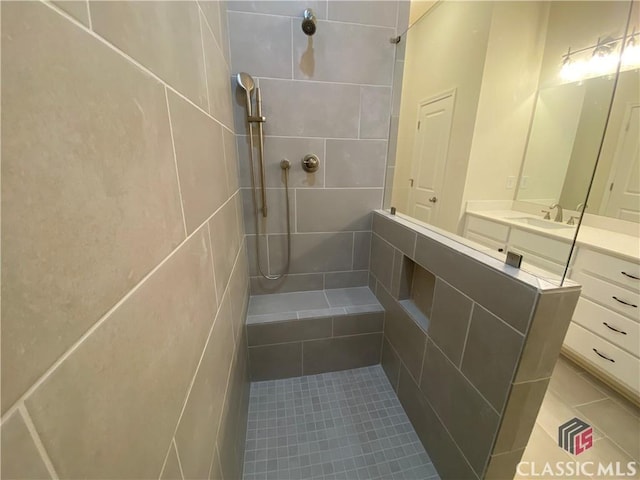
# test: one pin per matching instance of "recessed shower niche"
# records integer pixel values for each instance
(415, 286)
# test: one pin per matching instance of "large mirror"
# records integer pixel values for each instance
(506, 109)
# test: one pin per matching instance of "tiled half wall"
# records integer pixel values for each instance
(473, 376)
(124, 273)
(329, 95)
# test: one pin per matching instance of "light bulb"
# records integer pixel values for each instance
(631, 54)
(573, 70)
(603, 63)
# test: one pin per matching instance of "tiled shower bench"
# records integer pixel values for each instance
(305, 333)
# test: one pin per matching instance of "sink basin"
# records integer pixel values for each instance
(540, 223)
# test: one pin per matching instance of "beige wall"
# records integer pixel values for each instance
(507, 99)
(436, 64)
(124, 277)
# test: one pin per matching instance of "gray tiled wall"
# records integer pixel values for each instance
(124, 272)
(472, 382)
(307, 346)
(329, 95)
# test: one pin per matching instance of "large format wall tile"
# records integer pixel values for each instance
(276, 149)
(375, 109)
(342, 353)
(89, 191)
(291, 8)
(310, 109)
(171, 470)
(312, 252)
(162, 36)
(333, 210)
(375, 12)
(261, 44)
(450, 317)
(491, 369)
(446, 456)
(225, 241)
(355, 163)
(468, 417)
(217, 79)
(201, 163)
(20, 456)
(406, 337)
(129, 379)
(511, 301)
(342, 52)
(77, 10)
(199, 423)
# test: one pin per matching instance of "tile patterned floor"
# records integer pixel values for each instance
(573, 392)
(341, 425)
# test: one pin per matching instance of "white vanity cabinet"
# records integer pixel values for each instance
(605, 331)
(604, 335)
(485, 232)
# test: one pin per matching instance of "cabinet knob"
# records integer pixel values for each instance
(433, 199)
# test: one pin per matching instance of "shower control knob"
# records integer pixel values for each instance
(310, 163)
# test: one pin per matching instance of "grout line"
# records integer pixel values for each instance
(424, 354)
(175, 446)
(89, 15)
(466, 335)
(66, 354)
(323, 20)
(589, 403)
(22, 410)
(201, 19)
(209, 335)
(166, 457)
(175, 162)
(130, 59)
(468, 381)
(224, 57)
(318, 138)
(324, 82)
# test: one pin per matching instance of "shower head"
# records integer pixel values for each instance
(248, 85)
(309, 22)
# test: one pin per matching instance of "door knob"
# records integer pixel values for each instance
(433, 199)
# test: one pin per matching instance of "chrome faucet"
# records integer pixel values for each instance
(558, 213)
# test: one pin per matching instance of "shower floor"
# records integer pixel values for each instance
(340, 425)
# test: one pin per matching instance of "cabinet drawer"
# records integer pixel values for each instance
(604, 323)
(486, 228)
(612, 268)
(542, 246)
(622, 366)
(604, 293)
(487, 242)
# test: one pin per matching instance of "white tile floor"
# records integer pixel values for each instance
(573, 392)
(341, 425)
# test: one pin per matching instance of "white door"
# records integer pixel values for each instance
(624, 186)
(429, 158)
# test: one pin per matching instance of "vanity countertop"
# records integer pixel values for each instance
(606, 241)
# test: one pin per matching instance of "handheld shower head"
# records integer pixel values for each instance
(248, 85)
(309, 22)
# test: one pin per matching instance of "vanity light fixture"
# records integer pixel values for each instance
(604, 58)
(631, 53)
